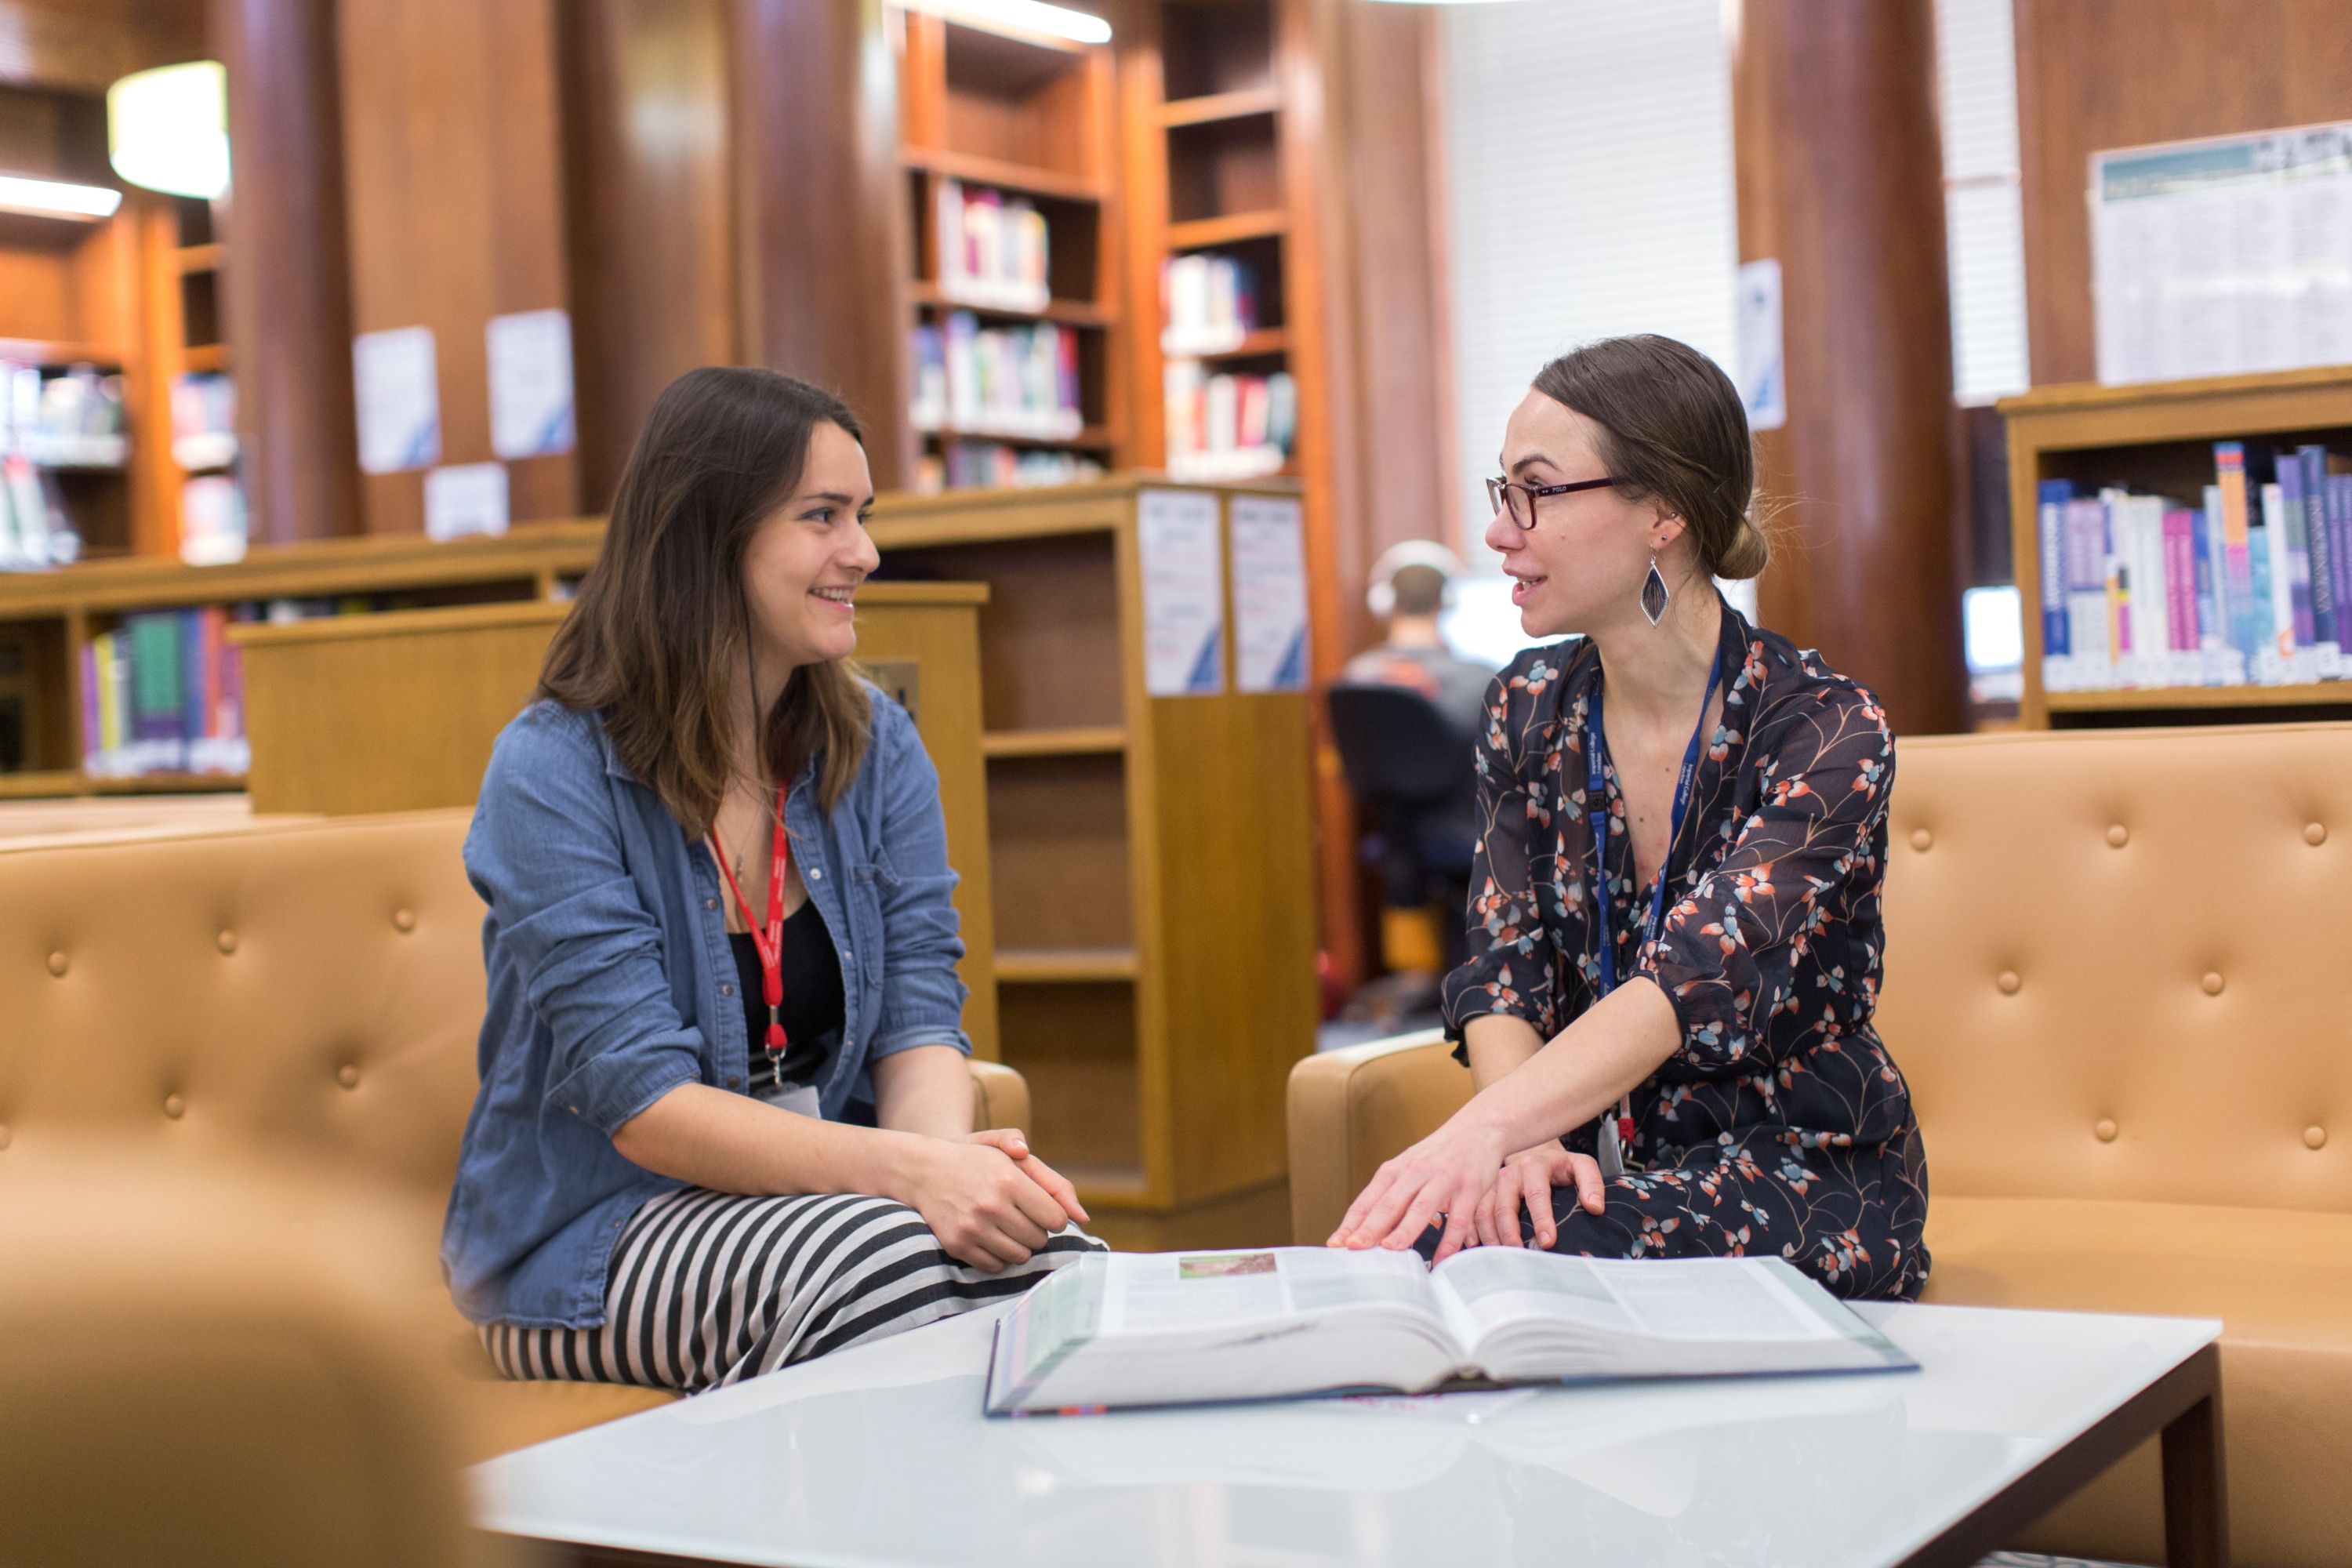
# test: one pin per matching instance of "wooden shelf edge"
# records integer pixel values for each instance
(1063, 312)
(49, 353)
(1201, 234)
(2073, 395)
(171, 784)
(2315, 694)
(1092, 438)
(1110, 1186)
(998, 173)
(201, 257)
(1260, 344)
(40, 783)
(1213, 108)
(1063, 966)
(207, 356)
(1099, 741)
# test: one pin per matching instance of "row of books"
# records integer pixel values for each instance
(2252, 585)
(204, 421)
(994, 465)
(1019, 381)
(35, 530)
(73, 420)
(1228, 426)
(1208, 304)
(212, 519)
(992, 251)
(164, 692)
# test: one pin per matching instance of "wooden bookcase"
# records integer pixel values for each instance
(1029, 118)
(1154, 877)
(2157, 438)
(1203, 103)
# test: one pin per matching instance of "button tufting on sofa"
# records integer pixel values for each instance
(2314, 834)
(2106, 1129)
(2212, 983)
(2118, 836)
(175, 1107)
(2315, 1137)
(347, 1075)
(1922, 840)
(227, 941)
(2008, 981)
(404, 921)
(58, 964)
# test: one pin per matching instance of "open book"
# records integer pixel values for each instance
(1170, 1328)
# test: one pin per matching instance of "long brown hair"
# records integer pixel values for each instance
(1671, 426)
(662, 623)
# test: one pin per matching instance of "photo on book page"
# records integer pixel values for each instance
(1121, 1330)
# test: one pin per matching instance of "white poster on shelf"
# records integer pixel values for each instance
(2222, 256)
(1183, 593)
(1763, 373)
(465, 498)
(530, 384)
(1269, 594)
(398, 400)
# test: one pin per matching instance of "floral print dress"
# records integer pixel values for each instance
(1780, 1124)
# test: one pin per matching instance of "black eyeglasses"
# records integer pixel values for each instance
(1520, 499)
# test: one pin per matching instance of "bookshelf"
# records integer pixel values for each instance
(187, 399)
(1203, 105)
(2157, 438)
(1152, 858)
(1006, 146)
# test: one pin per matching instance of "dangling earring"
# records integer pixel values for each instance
(1653, 592)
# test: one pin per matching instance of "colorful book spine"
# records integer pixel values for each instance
(2311, 463)
(2298, 548)
(93, 732)
(2179, 580)
(2237, 576)
(2338, 506)
(2282, 574)
(2086, 594)
(2051, 521)
(2211, 635)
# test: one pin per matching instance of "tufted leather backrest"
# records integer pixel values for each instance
(313, 986)
(2119, 963)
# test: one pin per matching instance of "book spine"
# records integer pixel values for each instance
(114, 695)
(2054, 495)
(2151, 595)
(2112, 553)
(2181, 579)
(2298, 547)
(193, 712)
(2238, 580)
(2320, 546)
(2338, 506)
(93, 735)
(2282, 576)
(2265, 658)
(2204, 541)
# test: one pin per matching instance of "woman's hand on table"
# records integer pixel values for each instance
(1444, 1176)
(1528, 1177)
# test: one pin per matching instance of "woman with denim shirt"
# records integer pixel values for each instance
(725, 1121)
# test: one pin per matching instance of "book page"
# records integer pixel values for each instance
(1186, 1292)
(1495, 1285)
(1699, 1298)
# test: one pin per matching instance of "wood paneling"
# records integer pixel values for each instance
(84, 45)
(2095, 74)
(1840, 176)
(821, 221)
(289, 319)
(456, 210)
(649, 186)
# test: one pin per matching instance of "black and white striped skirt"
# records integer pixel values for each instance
(709, 1288)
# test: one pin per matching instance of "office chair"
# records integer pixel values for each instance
(1411, 769)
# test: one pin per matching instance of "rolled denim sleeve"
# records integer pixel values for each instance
(922, 996)
(547, 854)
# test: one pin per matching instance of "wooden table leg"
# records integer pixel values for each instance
(2196, 1504)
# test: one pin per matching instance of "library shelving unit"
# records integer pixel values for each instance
(1022, 119)
(2157, 438)
(181, 259)
(1154, 882)
(1202, 101)
(46, 616)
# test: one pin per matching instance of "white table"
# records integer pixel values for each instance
(880, 1456)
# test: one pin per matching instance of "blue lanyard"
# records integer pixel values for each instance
(1596, 807)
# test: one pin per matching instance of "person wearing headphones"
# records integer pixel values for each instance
(1410, 585)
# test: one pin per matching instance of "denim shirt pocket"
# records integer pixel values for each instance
(869, 884)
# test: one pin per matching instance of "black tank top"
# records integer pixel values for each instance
(814, 1007)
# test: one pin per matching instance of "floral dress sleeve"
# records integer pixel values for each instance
(1810, 851)
(1513, 957)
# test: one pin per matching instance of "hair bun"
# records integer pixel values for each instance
(1747, 553)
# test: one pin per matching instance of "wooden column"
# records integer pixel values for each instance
(822, 218)
(650, 194)
(289, 325)
(456, 202)
(1840, 178)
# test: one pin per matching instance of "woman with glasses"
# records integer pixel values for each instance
(1674, 919)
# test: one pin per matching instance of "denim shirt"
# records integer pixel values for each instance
(607, 945)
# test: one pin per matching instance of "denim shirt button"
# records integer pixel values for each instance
(727, 988)
(710, 903)
(816, 873)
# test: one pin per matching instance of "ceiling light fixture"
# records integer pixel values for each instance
(56, 198)
(1023, 15)
(167, 129)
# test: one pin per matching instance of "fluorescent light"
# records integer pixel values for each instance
(56, 198)
(1024, 15)
(167, 129)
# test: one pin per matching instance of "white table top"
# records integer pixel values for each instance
(879, 1455)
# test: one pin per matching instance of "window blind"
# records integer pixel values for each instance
(1984, 217)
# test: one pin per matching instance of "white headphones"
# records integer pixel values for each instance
(1381, 598)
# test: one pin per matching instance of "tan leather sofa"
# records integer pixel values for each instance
(2119, 979)
(310, 991)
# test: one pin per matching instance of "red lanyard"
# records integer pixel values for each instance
(770, 941)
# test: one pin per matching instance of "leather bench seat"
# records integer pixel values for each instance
(2118, 982)
(309, 990)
